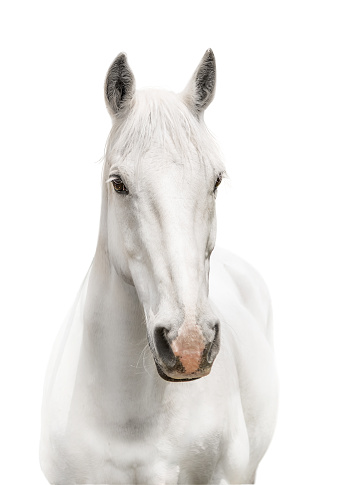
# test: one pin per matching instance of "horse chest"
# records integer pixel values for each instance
(147, 455)
(169, 448)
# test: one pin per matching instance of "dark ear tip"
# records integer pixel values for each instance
(120, 58)
(209, 55)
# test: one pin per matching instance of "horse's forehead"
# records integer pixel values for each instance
(164, 162)
(168, 158)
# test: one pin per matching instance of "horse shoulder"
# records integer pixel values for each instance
(241, 299)
(59, 388)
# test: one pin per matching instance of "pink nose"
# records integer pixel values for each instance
(189, 347)
(190, 355)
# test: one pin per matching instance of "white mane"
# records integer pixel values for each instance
(160, 118)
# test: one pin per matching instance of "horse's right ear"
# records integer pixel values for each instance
(119, 85)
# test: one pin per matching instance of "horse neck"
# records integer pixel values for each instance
(115, 340)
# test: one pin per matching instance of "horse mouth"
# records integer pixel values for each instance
(171, 379)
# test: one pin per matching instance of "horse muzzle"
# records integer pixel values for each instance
(188, 356)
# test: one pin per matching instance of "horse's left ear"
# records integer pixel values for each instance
(119, 85)
(201, 89)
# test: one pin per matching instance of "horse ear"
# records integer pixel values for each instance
(119, 85)
(200, 91)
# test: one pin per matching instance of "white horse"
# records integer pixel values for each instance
(132, 395)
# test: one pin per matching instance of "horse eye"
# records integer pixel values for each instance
(119, 186)
(218, 182)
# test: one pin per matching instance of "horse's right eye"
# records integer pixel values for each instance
(119, 186)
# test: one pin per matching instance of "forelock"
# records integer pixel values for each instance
(161, 119)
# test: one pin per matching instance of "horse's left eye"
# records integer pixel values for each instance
(119, 186)
(218, 182)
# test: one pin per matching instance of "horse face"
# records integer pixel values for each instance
(161, 188)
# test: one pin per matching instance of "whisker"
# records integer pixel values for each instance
(144, 363)
(141, 354)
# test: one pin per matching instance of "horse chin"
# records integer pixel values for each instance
(171, 379)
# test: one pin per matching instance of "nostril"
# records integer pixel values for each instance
(215, 344)
(163, 347)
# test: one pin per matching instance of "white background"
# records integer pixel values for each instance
(285, 118)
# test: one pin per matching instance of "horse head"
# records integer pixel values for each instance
(161, 176)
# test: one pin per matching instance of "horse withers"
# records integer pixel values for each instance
(161, 375)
